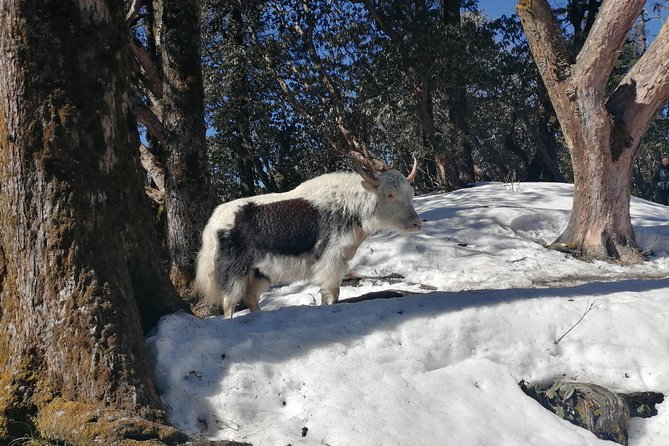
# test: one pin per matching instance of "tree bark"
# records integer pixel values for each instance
(457, 102)
(189, 194)
(602, 135)
(248, 165)
(80, 271)
(544, 166)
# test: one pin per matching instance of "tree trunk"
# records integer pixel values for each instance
(600, 225)
(444, 166)
(545, 138)
(602, 135)
(458, 105)
(80, 269)
(189, 195)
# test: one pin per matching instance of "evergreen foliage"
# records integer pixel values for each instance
(282, 78)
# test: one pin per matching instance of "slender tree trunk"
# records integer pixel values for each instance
(444, 166)
(189, 194)
(602, 135)
(458, 105)
(545, 139)
(79, 264)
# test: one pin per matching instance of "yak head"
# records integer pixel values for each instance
(394, 197)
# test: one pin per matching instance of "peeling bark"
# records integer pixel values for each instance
(602, 135)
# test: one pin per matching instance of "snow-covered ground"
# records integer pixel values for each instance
(441, 368)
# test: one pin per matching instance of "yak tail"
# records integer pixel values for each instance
(206, 281)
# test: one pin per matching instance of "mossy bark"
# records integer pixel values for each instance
(80, 272)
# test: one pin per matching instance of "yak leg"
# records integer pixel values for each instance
(329, 295)
(229, 305)
(258, 284)
(331, 271)
(247, 290)
(234, 295)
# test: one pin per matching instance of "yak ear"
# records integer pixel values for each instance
(369, 186)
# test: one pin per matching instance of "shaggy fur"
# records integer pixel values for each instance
(310, 232)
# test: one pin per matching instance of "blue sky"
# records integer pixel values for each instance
(497, 8)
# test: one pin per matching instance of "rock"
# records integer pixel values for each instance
(593, 407)
(602, 412)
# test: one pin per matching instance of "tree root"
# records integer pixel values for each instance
(609, 252)
(83, 424)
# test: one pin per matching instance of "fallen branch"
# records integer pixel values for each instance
(385, 294)
(146, 68)
(354, 280)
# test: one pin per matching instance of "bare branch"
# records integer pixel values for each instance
(605, 40)
(154, 167)
(588, 308)
(645, 88)
(133, 11)
(148, 72)
(149, 119)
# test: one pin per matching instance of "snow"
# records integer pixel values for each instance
(441, 367)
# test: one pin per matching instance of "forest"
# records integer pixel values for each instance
(124, 123)
(290, 86)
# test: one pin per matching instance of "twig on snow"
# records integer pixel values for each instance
(590, 306)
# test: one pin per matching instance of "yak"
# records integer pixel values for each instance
(310, 232)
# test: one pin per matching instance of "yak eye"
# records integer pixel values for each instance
(391, 195)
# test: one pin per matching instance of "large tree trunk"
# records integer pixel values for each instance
(79, 263)
(189, 195)
(602, 135)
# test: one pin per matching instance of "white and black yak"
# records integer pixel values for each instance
(309, 233)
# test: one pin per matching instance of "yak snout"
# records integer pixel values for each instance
(414, 224)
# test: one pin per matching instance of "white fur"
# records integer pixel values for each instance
(335, 191)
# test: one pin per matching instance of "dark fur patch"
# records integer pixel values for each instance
(288, 227)
(259, 275)
(285, 228)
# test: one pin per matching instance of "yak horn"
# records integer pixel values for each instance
(414, 171)
(371, 179)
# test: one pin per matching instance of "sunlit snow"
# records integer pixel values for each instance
(441, 367)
